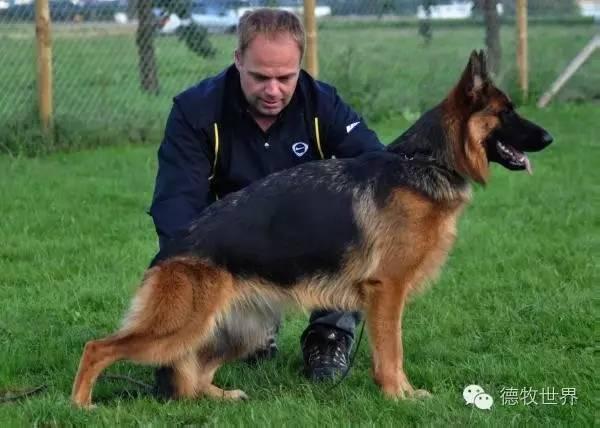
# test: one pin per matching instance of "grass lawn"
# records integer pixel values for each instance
(513, 307)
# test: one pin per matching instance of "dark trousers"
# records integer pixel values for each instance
(345, 321)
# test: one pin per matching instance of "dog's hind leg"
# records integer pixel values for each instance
(185, 377)
(193, 376)
(97, 355)
(208, 367)
(173, 312)
(239, 331)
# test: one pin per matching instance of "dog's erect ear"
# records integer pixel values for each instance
(476, 65)
(483, 62)
(474, 76)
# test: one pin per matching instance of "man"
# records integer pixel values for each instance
(260, 115)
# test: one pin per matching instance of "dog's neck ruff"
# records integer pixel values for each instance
(451, 185)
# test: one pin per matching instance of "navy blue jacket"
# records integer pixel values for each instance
(186, 158)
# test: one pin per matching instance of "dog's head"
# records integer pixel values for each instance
(492, 130)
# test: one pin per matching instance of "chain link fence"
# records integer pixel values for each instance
(113, 78)
(97, 68)
(400, 57)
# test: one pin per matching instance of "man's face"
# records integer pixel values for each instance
(269, 70)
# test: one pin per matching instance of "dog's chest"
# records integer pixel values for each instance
(412, 240)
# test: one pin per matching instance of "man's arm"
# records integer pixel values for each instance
(347, 134)
(182, 187)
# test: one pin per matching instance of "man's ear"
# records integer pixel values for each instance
(237, 59)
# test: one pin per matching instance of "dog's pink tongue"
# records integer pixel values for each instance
(528, 166)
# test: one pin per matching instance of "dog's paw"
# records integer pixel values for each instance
(84, 405)
(404, 390)
(420, 394)
(236, 394)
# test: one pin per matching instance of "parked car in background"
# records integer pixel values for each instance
(215, 17)
(102, 10)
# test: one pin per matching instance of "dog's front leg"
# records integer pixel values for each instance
(385, 304)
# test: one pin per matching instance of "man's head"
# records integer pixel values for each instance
(268, 57)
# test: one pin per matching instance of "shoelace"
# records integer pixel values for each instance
(341, 379)
(316, 353)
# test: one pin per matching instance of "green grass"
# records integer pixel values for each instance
(513, 307)
(382, 72)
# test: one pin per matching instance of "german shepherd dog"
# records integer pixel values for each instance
(352, 234)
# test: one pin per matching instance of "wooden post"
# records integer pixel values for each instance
(44, 62)
(573, 66)
(522, 53)
(310, 25)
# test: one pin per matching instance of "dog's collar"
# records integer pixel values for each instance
(420, 157)
(427, 158)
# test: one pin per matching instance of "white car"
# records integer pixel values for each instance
(214, 19)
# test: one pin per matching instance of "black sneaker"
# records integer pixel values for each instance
(326, 352)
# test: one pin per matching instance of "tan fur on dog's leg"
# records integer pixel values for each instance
(185, 377)
(207, 368)
(385, 304)
(97, 355)
(174, 311)
(383, 313)
(193, 377)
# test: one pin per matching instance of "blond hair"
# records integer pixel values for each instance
(270, 23)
